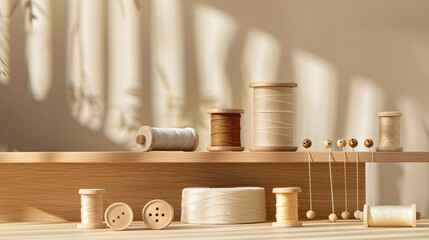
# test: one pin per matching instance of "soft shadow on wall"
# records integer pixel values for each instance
(119, 64)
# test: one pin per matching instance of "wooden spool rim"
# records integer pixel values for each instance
(389, 114)
(225, 110)
(273, 84)
(91, 191)
(286, 189)
(224, 148)
(285, 225)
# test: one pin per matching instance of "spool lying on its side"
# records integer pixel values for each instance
(390, 216)
(225, 129)
(273, 116)
(223, 205)
(166, 139)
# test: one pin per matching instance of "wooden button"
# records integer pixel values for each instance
(158, 214)
(353, 143)
(368, 143)
(306, 143)
(118, 216)
(327, 143)
(341, 143)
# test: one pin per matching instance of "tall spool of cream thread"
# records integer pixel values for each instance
(389, 132)
(273, 116)
(223, 205)
(91, 208)
(225, 129)
(287, 207)
(390, 216)
(166, 139)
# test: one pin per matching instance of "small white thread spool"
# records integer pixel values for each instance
(91, 208)
(287, 207)
(390, 216)
(273, 116)
(389, 132)
(166, 139)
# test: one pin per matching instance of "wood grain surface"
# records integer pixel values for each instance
(321, 230)
(40, 192)
(203, 157)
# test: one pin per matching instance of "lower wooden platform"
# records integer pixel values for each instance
(43, 186)
(49, 192)
(310, 230)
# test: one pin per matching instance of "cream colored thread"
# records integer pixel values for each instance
(390, 135)
(357, 179)
(309, 179)
(273, 116)
(92, 209)
(180, 139)
(330, 177)
(287, 207)
(223, 205)
(385, 216)
(345, 177)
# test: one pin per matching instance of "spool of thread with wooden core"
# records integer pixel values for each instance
(389, 132)
(287, 207)
(166, 139)
(390, 216)
(273, 116)
(225, 129)
(91, 208)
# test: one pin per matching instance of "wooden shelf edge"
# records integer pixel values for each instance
(205, 157)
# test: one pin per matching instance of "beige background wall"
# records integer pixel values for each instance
(84, 75)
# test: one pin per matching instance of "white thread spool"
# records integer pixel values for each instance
(389, 132)
(273, 116)
(91, 208)
(390, 216)
(166, 139)
(287, 207)
(223, 205)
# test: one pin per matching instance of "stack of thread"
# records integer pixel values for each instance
(287, 207)
(225, 129)
(273, 116)
(389, 132)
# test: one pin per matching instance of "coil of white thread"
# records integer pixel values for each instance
(166, 139)
(390, 216)
(223, 205)
(273, 116)
(91, 208)
(389, 132)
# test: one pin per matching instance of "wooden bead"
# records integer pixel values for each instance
(327, 143)
(345, 215)
(306, 143)
(368, 143)
(353, 143)
(310, 214)
(357, 214)
(333, 217)
(341, 143)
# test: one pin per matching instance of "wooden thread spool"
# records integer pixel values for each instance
(166, 139)
(225, 129)
(389, 132)
(287, 207)
(273, 116)
(91, 208)
(390, 216)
